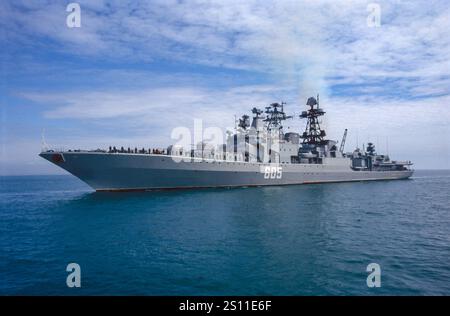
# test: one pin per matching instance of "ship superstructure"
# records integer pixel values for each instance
(257, 153)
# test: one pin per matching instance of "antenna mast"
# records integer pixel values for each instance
(275, 115)
(244, 122)
(313, 134)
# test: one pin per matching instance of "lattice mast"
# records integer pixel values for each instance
(275, 115)
(313, 133)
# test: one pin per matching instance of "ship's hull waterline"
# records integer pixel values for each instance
(141, 172)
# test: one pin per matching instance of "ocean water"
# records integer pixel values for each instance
(293, 240)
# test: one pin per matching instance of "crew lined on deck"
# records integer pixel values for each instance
(154, 151)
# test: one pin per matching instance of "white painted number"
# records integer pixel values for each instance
(273, 172)
(279, 173)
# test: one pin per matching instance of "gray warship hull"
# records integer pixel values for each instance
(141, 172)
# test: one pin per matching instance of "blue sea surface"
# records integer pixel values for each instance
(290, 240)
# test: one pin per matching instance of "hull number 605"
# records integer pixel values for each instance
(273, 172)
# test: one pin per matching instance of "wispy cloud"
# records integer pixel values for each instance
(159, 106)
(311, 39)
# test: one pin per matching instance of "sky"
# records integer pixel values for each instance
(135, 70)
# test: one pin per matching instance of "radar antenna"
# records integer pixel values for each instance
(257, 112)
(244, 122)
(275, 115)
(371, 149)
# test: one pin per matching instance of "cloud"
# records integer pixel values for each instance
(157, 106)
(313, 39)
(174, 105)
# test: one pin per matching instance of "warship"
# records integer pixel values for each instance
(256, 153)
